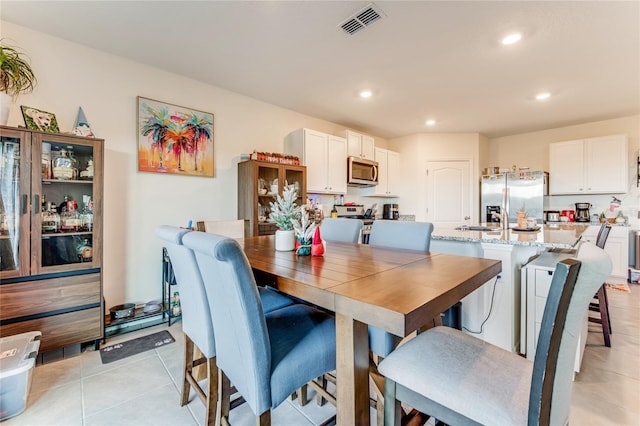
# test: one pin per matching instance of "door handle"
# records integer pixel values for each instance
(36, 204)
(23, 204)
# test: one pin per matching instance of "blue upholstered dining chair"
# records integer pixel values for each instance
(340, 229)
(402, 235)
(196, 317)
(460, 379)
(266, 356)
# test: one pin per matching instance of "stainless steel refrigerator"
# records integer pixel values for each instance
(512, 192)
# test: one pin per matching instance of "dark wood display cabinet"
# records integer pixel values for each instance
(259, 182)
(51, 189)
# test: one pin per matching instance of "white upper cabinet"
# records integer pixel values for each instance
(359, 145)
(388, 174)
(589, 166)
(325, 157)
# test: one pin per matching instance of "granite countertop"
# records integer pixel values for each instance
(548, 236)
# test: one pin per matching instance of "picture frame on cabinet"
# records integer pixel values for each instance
(174, 140)
(37, 119)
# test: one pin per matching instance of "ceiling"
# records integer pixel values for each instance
(424, 59)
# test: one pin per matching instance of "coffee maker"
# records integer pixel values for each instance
(390, 211)
(582, 212)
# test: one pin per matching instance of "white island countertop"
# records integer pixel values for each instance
(564, 235)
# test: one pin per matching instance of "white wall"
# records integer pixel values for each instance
(418, 149)
(106, 87)
(532, 150)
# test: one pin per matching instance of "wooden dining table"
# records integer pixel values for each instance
(396, 290)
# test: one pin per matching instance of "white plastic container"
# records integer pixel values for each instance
(17, 358)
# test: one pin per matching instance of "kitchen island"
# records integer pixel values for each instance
(493, 312)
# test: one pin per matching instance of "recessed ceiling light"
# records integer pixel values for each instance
(430, 122)
(543, 96)
(512, 38)
(366, 94)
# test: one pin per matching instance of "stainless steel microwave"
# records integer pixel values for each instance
(362, 172)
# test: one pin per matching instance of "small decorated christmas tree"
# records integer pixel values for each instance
(284, 211)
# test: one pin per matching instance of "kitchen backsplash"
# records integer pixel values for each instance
(599, 204)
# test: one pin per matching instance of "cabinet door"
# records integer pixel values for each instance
(361, 146)
(15, 201)
(294, 177)
(566, 167)
(616, 249)
(393, 173)
(368, 147)
(337, 165)
(381, 157)
(606, 164)
(74, 242)
(354, 144)
(315, 158)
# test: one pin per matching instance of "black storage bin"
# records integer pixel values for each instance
(452, 317)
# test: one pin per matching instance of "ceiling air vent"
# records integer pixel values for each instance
(361, 19)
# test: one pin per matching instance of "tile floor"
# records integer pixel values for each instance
(143, 389)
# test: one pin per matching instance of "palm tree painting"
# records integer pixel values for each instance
(173, 139)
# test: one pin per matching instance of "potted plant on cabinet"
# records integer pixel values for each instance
(16, 77)
(285, 213)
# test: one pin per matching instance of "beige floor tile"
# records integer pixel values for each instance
(52, 375)
(61, 405)
(115, 386)
(160, 406)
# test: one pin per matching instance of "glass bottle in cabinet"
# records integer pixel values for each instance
(63, 166)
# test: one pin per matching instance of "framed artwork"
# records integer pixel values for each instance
(36, 119)
(174, 139)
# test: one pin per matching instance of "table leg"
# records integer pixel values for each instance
(352, 367)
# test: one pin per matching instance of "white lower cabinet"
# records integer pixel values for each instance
(617, 247)
(536, 282)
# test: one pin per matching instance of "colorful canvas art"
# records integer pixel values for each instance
(174, 139)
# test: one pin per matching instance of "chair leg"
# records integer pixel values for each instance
(392, 412)
(224, 398)
(301, 395)
(606, 303)
(604, 316)
(264, 419)
(320, 400)
(212, 392)
(187, 370)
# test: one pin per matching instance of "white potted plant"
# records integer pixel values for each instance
(16, 77)
(285, 213)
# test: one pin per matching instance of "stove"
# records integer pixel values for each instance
(357, 212)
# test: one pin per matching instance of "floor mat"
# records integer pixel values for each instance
(121, 350)
(621, 287)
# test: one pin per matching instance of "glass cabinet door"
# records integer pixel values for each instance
(14, 203)
(66, 203)
(294, 177)
(268, 187)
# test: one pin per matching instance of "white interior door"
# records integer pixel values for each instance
(448, 192)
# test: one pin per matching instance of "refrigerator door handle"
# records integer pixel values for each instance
(505, 209)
